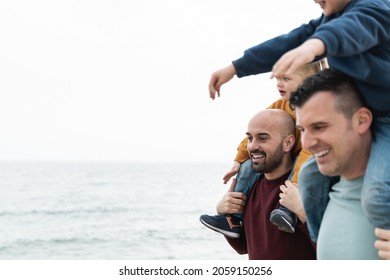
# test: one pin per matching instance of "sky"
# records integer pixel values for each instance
(128, 80)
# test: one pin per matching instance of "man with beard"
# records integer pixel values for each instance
(270, 142)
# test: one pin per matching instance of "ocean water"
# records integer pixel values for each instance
(110, 211)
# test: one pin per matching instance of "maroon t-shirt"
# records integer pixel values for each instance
(262, 240)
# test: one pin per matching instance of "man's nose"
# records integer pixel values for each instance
(307, 140)
(252, 146)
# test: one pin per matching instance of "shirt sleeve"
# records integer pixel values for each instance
(261, 58)
(299, 161)
(242, 151)
(361, 27)
(239, 244)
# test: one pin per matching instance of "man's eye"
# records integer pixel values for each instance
(320, 127)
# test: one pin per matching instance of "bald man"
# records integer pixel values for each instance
(270, 141)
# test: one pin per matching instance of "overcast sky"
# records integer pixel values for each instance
(127, 80)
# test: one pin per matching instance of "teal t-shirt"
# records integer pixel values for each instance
(345, 231)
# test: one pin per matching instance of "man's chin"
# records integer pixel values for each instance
(257, 168)
(326, 171)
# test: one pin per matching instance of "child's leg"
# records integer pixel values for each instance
(376, 186)
(245, 179)
(230, 225)
(282, 217)
(314, 188)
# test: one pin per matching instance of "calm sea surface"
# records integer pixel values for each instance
(110, 210)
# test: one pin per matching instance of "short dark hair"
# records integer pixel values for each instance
(348, 97)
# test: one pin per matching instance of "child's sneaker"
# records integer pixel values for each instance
(228, 225)
(284, 220)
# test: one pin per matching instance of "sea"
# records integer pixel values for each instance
(110, 211)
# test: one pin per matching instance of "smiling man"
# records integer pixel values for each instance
(335, 128)
(270, 141)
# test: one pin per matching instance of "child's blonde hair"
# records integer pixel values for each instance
(314, 67)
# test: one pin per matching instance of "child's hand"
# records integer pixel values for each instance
(231, 172)
(291, 61)
(219, 78)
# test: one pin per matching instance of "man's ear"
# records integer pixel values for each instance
(289, 142)
(362, 119)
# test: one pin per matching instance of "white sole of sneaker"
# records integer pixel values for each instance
(282, 224)
(224, 232)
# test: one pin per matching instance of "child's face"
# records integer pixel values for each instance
(287, 84)
(330, 7)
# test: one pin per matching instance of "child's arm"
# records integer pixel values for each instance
(219, 78)
(242, 151)
(291, 61)
(299, 161)
(358, 29)
(261, 58)
(361, 27)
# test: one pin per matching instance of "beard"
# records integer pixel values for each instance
(272, 161)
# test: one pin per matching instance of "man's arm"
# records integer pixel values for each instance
(231, 203)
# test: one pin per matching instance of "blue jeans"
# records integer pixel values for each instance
(246, 178)
(314, 188)
(376, 184)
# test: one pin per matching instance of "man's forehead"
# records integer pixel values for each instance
(265, 129)
(320, 104)
(269, 122)
(315, 118)
(307, 117)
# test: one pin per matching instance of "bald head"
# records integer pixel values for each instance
(270, 141)
(274, 119)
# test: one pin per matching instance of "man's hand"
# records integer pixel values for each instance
(291, 199)
(383, 243)
(231, 202)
